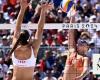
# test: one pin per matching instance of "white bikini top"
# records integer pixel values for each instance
(24, 63)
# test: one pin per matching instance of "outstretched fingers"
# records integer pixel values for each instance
(47, 6)
(24, 3)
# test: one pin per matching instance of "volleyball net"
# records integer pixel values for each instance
(55, 26)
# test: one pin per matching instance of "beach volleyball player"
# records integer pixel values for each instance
(77, 63)
(24, 52)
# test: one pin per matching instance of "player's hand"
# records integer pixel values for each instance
(24, 4)
(47, 6)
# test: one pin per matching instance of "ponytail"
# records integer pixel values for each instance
(23, 36)
(15, 46)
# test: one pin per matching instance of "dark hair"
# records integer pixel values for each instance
(22, 40)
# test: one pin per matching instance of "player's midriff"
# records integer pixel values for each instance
(22, 73)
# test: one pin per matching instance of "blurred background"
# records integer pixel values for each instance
(52, 54)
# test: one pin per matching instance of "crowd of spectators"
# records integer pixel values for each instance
(52, 54)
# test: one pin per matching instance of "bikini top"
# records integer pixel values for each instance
(24, 63)
(72, 59)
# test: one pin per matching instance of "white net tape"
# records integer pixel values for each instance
(55, 26)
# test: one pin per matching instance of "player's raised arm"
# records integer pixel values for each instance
(41, 22)
(72, 35)
(23, 6)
